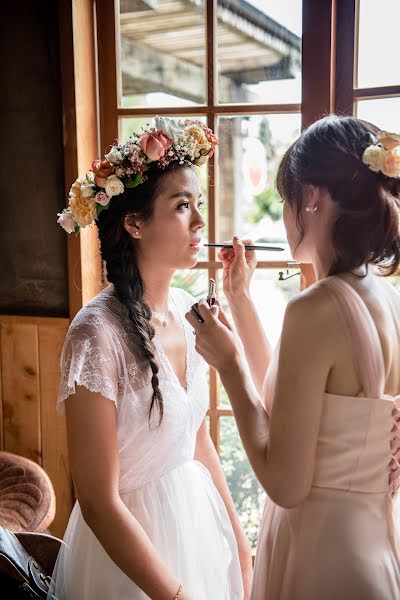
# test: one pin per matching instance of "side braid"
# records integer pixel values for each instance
(119, 254)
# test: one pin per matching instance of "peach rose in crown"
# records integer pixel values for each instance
(389, 140)
(82, 208)
(102, 169)
(155, 144)
(391, 163)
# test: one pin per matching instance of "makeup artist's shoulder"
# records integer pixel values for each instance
(314, 303)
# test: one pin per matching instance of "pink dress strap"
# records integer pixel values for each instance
(363, 336)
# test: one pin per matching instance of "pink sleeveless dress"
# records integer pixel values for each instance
(342, 542)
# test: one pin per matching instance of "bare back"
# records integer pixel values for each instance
(383, 302)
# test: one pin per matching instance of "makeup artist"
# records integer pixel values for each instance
(319, 417)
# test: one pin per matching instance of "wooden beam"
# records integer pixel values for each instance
(70, 146)
(202, 109)
(78, 75)
(86, 125)
(316, 60)
(316, 67)
(109, 68)
(344, 53)
(388, 91)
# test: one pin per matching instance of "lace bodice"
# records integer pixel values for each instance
(99, 354)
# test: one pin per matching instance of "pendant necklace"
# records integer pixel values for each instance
(162, 318)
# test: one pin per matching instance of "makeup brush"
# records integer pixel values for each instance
(248, 247)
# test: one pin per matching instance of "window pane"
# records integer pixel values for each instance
(247, 493)
(259, 51)
(270, 295)
(384, 112)
(378, 43)
(248, 156)
(130, 125)
(162, 52)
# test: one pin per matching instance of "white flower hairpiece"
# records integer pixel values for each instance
(383, 154)
(126, 166)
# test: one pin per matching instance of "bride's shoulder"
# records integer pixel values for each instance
(103, 311)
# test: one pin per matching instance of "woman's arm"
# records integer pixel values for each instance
(93, 455)
(238, 267)
(256, 346)
(281, 448)
(206, 454)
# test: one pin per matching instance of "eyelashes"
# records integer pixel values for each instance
(185, 205)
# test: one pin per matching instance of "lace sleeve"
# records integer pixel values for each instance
(89, 358)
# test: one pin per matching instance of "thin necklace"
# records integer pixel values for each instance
(159, 317)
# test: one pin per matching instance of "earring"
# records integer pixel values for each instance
(309, 209)
(136, 232)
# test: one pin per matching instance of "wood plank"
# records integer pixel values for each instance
(20, 377)
(70, 146)
(316, 60)
(1, 400)
(344, 54)
(53, 428)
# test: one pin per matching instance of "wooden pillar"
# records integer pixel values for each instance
(317, 100)
(78, 76)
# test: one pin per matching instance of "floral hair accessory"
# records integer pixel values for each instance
(383, 153)
(127, 165)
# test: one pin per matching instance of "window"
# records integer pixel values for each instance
(257, 72)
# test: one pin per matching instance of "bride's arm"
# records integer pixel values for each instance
(93, 455)
(206, 453)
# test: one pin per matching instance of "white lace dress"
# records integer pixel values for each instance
(168, 492)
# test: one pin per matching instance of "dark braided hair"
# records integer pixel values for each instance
(328, 154)
(119, 252)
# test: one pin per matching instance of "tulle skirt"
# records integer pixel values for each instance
(187, 522)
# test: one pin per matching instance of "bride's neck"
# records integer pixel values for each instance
(156, 283)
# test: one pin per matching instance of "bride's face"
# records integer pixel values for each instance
(172, 237)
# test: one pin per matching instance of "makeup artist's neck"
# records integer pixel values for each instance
(156, 283)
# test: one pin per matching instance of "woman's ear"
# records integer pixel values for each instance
(133, 226)
(313, 198)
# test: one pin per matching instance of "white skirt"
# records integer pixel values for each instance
(187, 522)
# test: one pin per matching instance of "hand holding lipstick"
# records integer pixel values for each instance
(216, 341)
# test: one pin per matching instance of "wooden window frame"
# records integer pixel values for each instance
(89, 58)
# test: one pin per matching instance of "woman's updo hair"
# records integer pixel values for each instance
(119, 252)
(328, 154)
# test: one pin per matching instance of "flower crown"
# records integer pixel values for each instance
(126, 166)
(383, 154)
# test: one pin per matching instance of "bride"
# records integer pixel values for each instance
(153, 517)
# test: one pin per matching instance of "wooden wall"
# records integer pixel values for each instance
(30, 349)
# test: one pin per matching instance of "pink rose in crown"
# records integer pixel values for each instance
(102, 198)
(155, 144)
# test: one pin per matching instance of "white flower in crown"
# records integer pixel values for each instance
(66, 221)
(173, 129)
(114, 156)
(373, 157)
(383, 154)
(114, 186)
